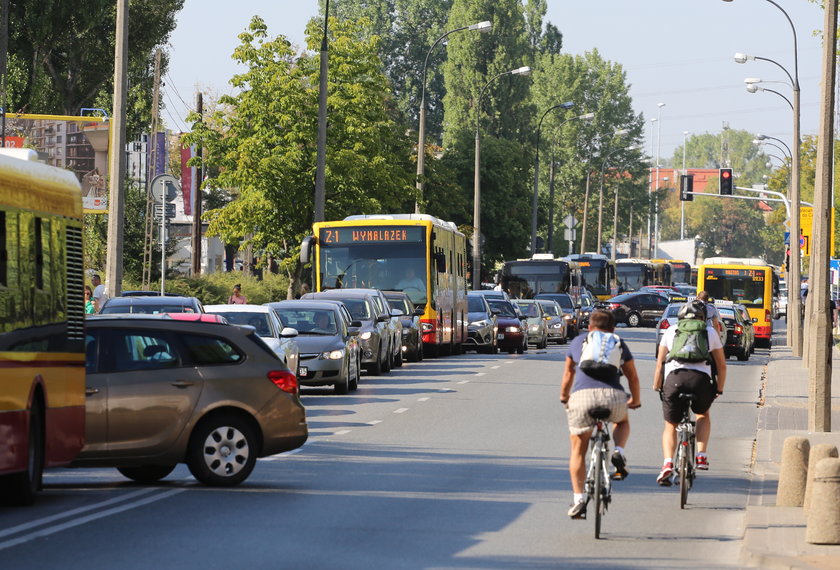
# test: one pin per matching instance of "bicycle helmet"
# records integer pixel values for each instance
(695, 309)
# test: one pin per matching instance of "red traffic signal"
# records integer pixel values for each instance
(726, 182)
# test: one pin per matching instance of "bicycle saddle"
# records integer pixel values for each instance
(599, 413)
(686, 396)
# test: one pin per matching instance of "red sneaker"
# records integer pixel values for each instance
(702, 463)
(664, 478)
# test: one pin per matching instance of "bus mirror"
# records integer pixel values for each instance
(440, 262)
(306, 247)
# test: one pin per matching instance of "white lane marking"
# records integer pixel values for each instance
(279, 456)
(508, 362)
(83, 520)
(480, 373)
(494, 367)
(374, 422)
(422, 399)
(463, 382)
(342, 432)
(400, 410)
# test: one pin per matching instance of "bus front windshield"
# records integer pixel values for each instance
(745, 290)
(630, 277)
(523, 281)
(385, 266)
(595, 279)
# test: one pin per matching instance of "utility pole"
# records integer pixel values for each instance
(149, 239)
(4, 59)
(196, 229)
(116, 162)
(819, 365)
(321, 142)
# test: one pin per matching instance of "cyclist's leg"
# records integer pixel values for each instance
(704, 430)
(577, 460)
(669, 441)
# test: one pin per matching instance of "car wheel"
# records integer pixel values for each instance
(343, 385)
(398, 361)
(634, 320)
(386, 362)
(744, 355)
(146, 473)
(20, 489)
(354, 383)
(222, 450)
(376, 367)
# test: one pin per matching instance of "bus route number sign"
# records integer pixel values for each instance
(752, 274)
(381, 234)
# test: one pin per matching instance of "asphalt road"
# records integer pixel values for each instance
(457, 462)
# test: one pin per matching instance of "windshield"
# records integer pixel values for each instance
(747, 288)
(551, 309)
(146, 309)
(680, 272)
(524, 279)
(257, 320)
(399, 303)
(528, 309)
(630, 277)
(359, 309)
(388, 258)
(595, 279)
(309, 321)
(505, 309)
(475, 304)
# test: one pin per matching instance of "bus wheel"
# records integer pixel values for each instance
(20, 489)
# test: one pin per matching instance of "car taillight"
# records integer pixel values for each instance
(766, 315)
(614, 306)
(284, 380)
(664, 324)
(739, 329)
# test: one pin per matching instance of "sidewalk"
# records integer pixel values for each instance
(774, 537)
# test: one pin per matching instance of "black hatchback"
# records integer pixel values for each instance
(636, 309)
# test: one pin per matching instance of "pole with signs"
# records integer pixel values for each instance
(164, 191)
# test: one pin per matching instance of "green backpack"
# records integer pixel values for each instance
(691, 343)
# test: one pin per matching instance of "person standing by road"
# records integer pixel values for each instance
(89, 308)
(580, 392)
(675, 376)
(237, 298)
(99, 294)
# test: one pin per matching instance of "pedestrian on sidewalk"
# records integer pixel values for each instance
(580, 392)
(237, 298)
(683, 374)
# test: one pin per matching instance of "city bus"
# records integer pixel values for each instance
(674, 271)
(542, 273)
(748, 281)
(597, 274)
(661, 272)
(383, 251)
(42, 337)
(633, 274)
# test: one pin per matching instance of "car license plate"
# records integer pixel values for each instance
(500, 336)
(303, 371)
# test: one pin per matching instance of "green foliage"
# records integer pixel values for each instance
(62, 55)
(215, 288)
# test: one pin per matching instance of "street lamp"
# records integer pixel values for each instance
(321, 141)
(682, 202)
(760, 143)
(794, 328)
(658, 147)
(476, 242)
(566, 105)
(482, 27)
(615, 206)
(753, 88)
(584, 117)
(761, 138)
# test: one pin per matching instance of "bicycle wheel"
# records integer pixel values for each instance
(599, 483)
(685, 478)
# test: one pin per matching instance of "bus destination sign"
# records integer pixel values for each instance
(718, 273)
(372, 234)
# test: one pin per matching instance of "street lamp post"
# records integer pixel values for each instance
(421, 138)
(321, 142)
(476, 240)
(656, 203)
(566, 105)
(753, 88)
(794, 307)
(682, 202)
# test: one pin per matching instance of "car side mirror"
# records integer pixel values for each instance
(356, 324)
(288, 332)
(755, 320)
(383, 318)
(418, 312)
(353, 331)
(495, 312)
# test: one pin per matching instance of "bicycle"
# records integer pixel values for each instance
(686, 445)
(598, 485)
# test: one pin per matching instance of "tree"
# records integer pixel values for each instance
(61, 55)
(263, 143)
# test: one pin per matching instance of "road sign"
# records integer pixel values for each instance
(165, 188)
(570, 235)
(570, 221)
(170, 211)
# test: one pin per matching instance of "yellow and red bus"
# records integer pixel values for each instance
(42, 338)
(748, 281)
(378, 251)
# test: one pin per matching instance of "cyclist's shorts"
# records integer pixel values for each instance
(686, 380)
(581, 401)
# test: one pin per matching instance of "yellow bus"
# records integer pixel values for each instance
(675, 271)
(416, 253)
(748, 281)
(42, 338)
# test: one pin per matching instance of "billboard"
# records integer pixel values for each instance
(75, 143)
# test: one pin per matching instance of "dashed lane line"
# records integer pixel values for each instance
(400, 410)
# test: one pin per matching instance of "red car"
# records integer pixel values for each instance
(512, 333)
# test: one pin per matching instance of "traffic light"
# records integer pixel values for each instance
(686, 187)
(726, 182)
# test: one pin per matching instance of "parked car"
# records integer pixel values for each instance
(557, 319)
(570, 310)
(375, 333)
(150, 305)
(482, 328)
(737, 341)
(636, 309)
(330, 354)
(511, 326)
(162, 391)
(536, 321)
(412, 328)
(279, 338)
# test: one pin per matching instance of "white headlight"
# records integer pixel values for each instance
(365, 335)
(333, 355)
(482, 323)
(513, 329)
(535, 327)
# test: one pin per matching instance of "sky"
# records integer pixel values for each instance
(676, 52)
